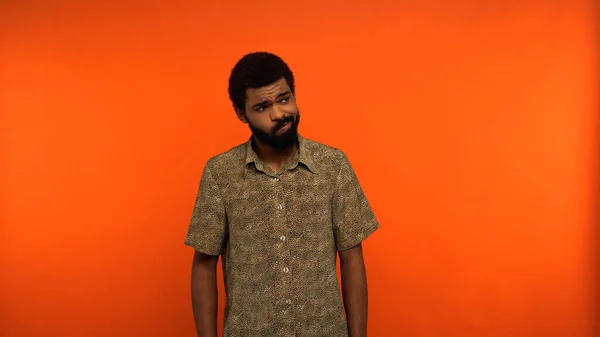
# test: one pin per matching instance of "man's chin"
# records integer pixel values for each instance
(279, 142)
(285, 142)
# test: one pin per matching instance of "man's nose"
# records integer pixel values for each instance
(277, 112)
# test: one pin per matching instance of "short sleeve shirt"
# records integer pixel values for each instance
(278, 235)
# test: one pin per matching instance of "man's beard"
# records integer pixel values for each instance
(278, 142)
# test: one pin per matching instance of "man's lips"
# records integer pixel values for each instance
(285, 127)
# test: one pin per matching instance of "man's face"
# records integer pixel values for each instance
(272, 114)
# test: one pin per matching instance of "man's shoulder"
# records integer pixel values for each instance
(228, 160)
(321, 149)
(327, 157)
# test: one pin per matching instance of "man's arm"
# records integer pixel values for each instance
(353, 222)
(354, 290)
(207, 234)
(204, 294)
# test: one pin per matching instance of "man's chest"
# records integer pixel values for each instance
(294, 207)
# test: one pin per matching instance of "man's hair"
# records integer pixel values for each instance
(256, 70)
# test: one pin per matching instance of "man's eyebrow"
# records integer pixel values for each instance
(283, 94)
(263, 103)
(260, 105)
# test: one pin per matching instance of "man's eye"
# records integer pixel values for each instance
(261, 109)
(284, 100)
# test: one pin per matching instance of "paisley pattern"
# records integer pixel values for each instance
(278, 235)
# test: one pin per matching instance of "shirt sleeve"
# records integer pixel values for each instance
(208, 226)
(353, 218)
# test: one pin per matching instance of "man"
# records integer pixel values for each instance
(277, 209)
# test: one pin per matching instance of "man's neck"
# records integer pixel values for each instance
(274, 158)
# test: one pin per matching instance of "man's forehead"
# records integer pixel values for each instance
(269, 91)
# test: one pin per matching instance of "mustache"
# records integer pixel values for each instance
(282, 121)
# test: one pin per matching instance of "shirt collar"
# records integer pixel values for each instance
(303, 156)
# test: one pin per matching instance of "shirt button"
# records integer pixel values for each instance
(275, 179)
(288, 301)
(285, 269)
(279, 207)
(282, 238)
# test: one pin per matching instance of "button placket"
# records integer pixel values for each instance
(283, 244)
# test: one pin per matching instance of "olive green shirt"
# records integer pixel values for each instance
(278, 234)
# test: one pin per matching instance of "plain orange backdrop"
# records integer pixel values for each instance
(471, 126)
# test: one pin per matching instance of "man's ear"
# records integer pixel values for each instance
(241, 115)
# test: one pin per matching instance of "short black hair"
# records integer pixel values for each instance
(255, 70)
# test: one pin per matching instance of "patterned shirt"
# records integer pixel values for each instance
(278, 235)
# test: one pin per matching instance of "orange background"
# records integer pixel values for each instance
(471, 125)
